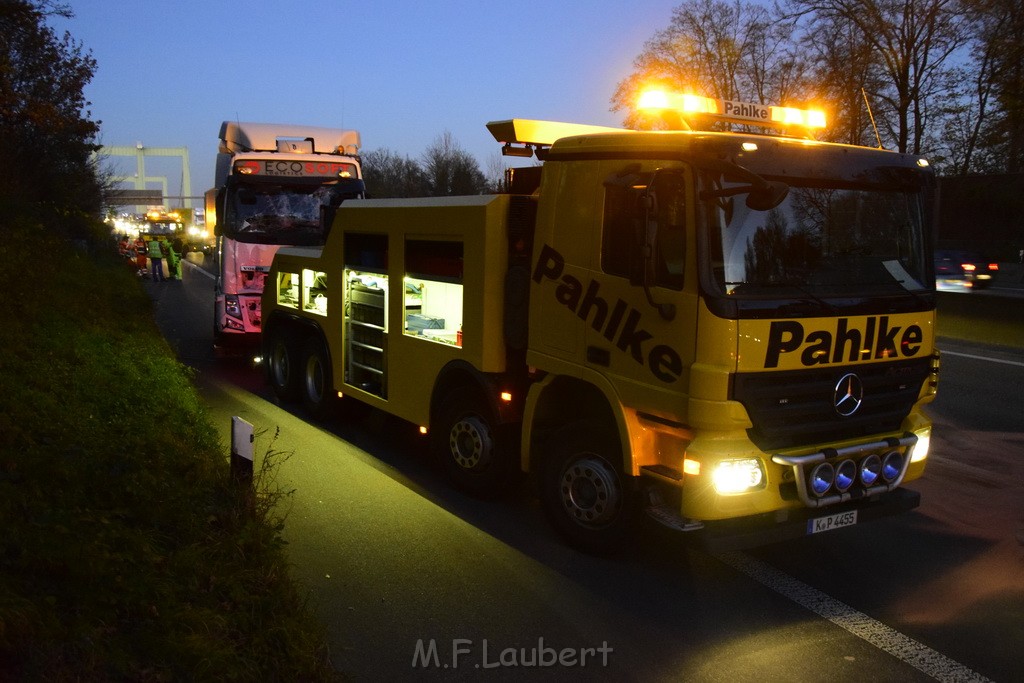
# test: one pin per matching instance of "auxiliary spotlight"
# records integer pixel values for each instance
(846, 475)
(822, 478)
(892, 465)
(870, 470)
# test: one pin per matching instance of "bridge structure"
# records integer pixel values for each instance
(140, 196)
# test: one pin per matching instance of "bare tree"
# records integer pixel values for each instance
(777, 72)
(450, 170)
(998, 62)
(960, 143)
(728, 50)
(495, 172)
(844, 69)
(912, 41)
(389, 175)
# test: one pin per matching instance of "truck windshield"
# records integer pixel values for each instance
(275, 214)
(821, 241)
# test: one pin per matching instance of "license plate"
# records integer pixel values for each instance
(836, 521)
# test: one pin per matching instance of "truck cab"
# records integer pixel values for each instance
(275, 185)
(748, 323)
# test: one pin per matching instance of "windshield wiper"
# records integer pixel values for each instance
(792, 284)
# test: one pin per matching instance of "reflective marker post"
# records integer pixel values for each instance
(242, 439)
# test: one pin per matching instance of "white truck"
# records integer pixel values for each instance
(275, 185)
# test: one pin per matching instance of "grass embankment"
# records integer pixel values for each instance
(125, 552)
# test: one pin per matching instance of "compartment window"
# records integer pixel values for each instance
(288, 289)
(314, 291)
(433, 290)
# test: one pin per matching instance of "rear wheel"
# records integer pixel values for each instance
(282, 367)
(317, 385)
(476, 454)
(583, 490)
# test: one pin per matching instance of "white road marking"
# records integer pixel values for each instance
(990, 360)
(199, 269)
(887, 639)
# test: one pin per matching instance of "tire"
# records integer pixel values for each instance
(476, 454)
(583, 491)
(317, 384)
(283, 366)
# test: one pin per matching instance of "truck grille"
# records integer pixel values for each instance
(795, 408)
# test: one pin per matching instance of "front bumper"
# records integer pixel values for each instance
(783, 525)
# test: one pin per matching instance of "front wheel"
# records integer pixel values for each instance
(584, 493)
(317, 385)
(282, 367)
(475, 453)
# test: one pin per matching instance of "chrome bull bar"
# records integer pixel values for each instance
(801, 463)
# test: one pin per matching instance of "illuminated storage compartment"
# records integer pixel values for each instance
(288, 290)
(366, 300)
(434, 290)
(433, 310)
(366, 338)
(314, 291)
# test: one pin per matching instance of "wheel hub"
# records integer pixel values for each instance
(470, 443)
(590, 491)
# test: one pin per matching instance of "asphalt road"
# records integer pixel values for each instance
(414, 580)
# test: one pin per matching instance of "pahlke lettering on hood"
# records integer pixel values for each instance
(848, 344)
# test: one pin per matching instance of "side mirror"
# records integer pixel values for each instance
(347, 189)
(643, 269)
(768, 196)
(210, 202)
(352, 188)
(246, 196)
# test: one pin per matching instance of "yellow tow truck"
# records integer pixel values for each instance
(733, 333)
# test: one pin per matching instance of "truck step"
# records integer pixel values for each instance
(667, 516)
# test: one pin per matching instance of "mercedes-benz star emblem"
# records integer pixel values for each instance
(849, 394)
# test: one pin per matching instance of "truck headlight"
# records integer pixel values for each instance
(919, 451)
(232, 307)
(738, 476)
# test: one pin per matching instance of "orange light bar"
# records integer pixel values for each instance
(791, 116)
(728, 110)
(653, 99)
(656, 99)
(695, 104)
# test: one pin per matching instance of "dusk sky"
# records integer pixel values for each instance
(401, 72)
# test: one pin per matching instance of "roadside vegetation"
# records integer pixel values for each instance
(126, 553)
